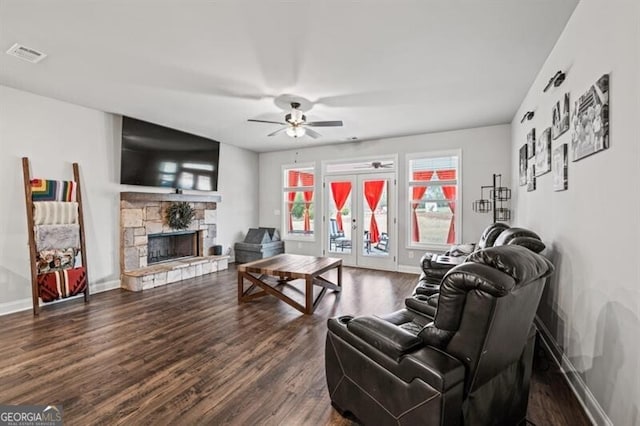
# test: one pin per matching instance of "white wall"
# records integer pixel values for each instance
(484, 151)
(592, 305)
(237, 183)
(54, 134)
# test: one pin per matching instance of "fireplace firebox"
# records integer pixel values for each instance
(172, 246)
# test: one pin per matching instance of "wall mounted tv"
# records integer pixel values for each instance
(154, 155)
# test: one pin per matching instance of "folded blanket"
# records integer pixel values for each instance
(49, 237)
(54, 285)
(56, 260)
(55, 213)
(53, 190)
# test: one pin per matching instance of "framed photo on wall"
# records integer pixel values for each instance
(543, 153)
(531, 177)
(531, 143)
(560, 168)
(523, 165)
(590, 120)
(555, 122)
(560, 117)
(565, 117)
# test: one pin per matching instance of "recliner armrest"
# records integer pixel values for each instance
(423, 304)
(435, 367)
(384, 336)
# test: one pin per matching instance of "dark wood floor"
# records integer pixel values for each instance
(187, 353)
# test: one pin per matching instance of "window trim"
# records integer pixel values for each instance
(410, 245)
(286, 236)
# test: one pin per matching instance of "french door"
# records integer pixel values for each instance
(360, 219)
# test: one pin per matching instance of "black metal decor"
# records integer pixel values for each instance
(528, 116)
(556, 80)
(498, 194)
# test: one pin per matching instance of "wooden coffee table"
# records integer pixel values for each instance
(288, 267)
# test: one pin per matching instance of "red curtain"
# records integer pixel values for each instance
(450, 194)
(418, 193)
(340, 192)
(373, 193)
(292, 181)
(306, 179)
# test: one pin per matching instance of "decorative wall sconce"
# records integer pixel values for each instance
(498, 194)
(556, 80)
(527, 116)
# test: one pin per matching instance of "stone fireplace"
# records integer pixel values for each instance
(152, 253)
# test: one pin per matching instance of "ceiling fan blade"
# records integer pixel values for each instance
(267, 121)
(277, 131)
(312, 133)
(336, 123)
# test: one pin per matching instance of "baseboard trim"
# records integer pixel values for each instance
(579, 388)
(19, 305)
(409, 269)
(104, 286)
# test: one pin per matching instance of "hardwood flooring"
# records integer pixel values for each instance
(187, 353)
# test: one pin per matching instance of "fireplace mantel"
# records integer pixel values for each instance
(170, 196)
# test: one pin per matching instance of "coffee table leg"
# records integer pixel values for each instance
(308, 295)
(240, 286)
(340, 275)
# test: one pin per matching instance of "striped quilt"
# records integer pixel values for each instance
(53, 190)
(55, 213)
(61, 284)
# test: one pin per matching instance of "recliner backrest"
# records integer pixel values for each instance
(490, 234)
(521, 237)
(485, 309)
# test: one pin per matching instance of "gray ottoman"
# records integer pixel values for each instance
(258, 244)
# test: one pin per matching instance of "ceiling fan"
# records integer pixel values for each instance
(296, 124)
(375, 165)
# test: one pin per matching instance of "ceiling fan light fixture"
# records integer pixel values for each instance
(297, 116)
(296, 131)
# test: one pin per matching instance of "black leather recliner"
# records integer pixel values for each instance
(496, 234)
(471, 364)
(433, 272)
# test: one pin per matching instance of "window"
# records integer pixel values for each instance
(434, 182)
(299, 186)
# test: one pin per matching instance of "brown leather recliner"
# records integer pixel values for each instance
(471, 364)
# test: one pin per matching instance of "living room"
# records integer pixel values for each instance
(68, 108)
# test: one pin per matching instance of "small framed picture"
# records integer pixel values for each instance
(565, 116)
(560, 118)
(543, 153)
(555, 122)
(523, 165)
(560, 168)
(531, 143)
(531, 177)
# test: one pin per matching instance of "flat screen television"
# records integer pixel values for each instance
(154, 155)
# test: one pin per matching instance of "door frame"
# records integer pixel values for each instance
(393, 222)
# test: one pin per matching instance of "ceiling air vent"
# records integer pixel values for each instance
(26, 53)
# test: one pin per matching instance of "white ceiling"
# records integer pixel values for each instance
(386, 68)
